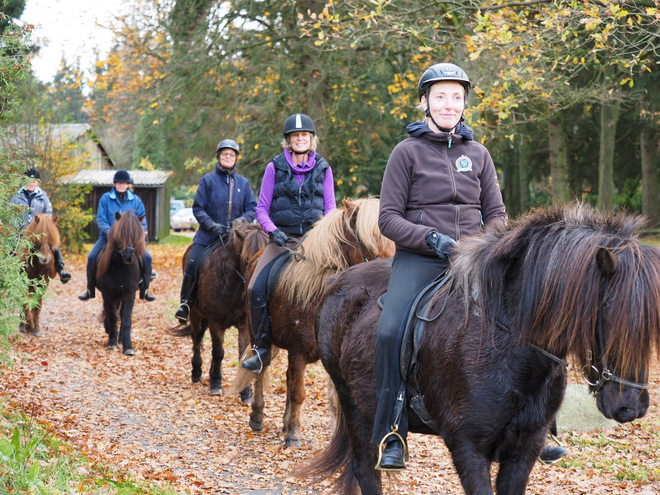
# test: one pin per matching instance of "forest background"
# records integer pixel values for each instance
(563, 91)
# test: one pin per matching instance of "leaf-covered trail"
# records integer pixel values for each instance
(143, 415)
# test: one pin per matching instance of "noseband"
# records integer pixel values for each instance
(606, 375)
(130, 251)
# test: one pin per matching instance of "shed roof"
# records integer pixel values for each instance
(104, 177)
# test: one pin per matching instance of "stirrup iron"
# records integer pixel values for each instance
(255, 350)
(381, 448)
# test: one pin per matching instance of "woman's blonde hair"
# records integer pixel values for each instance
(314, 142)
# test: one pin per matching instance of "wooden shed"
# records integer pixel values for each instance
(149, 185)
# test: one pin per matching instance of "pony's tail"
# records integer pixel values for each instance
(334, 457)
(179, 331)
(244, 377)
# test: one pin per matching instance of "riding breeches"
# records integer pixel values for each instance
(410, 273)
(189, 284)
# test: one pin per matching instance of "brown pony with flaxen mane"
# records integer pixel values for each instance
(345, 237)
(39, 266)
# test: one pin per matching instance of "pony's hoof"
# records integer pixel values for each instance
(112, 347)
(35, 333)
(22, 328)
(292, 443)
(256, 425)
(129, 352)
(216, 391)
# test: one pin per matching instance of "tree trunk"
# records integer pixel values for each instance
(609, 115)
(650, 197)
(558, 162)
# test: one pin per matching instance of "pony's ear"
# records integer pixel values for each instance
(37, 219)
(606, 261)
(55, 219)
(117, 215)
(348, 203)
(141, 217)
(239, 233)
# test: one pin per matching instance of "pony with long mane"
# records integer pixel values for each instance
(118, 277)
(39, 266)
(346, 236)
(220, 302)
(491, 369)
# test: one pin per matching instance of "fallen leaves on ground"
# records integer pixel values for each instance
(143, 414)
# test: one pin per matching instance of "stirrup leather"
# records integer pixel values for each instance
(381, 449)
(255, 350)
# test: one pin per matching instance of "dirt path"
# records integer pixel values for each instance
(143, 415)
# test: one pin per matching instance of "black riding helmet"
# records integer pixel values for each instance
(122, 176)
(298, 122)
(33, 174)
(442, 72)
(228, 143)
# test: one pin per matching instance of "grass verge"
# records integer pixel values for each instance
(35, 461)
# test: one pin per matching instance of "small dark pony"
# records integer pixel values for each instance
(118, 277)
(39, 266)
(561, 281)
(346, 236)
(220, 301)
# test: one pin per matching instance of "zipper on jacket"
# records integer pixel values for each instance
(451, 175)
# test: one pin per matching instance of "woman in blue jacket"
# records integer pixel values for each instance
(222, 198)
(118, 200)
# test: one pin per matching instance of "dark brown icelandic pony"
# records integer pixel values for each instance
(345, 237)
(118, 277)
(559, 282)
(39, 266)
(220, 301)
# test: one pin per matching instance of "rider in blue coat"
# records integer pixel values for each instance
(223, 197)
(118, 200)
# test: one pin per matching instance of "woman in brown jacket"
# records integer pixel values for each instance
(439, 186)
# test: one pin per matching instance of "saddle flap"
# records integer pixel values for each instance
(417, 316)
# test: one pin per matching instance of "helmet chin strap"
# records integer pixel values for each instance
(443, 129)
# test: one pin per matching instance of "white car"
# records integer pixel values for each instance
(183, 220)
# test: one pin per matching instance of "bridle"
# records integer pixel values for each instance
(606, 375)
(366, 252)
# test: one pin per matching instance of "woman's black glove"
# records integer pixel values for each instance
(278, 237)
(219, 229)
(442, 244)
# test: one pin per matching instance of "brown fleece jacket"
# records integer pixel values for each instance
(429, 185)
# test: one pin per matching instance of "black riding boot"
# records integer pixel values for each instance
(145, 281)
(59, 266)
(259, 355)
(183, 313)
(90, 293)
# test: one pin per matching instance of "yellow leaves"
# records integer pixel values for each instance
(145, 164)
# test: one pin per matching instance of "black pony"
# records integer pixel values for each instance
(118, 277)
(220, 302)
(558, 282)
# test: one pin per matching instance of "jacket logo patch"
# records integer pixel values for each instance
(463, 164)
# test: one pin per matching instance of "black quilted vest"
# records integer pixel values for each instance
(295, 208)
